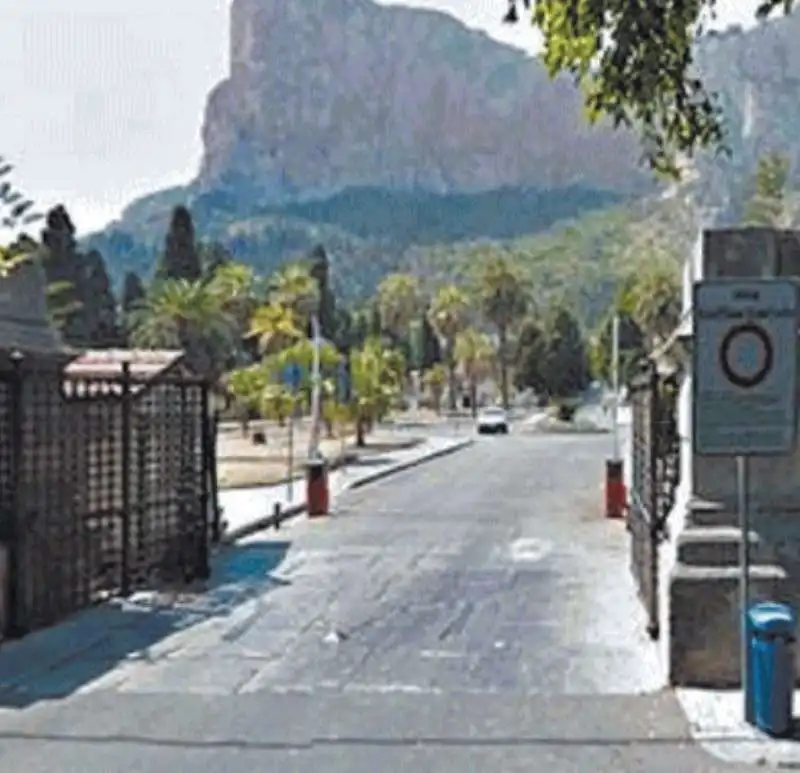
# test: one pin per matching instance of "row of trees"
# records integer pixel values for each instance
(485, 327)
(81, 299)
(251, 333)
(248, 332)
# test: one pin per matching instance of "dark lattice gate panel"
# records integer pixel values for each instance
(104, 478)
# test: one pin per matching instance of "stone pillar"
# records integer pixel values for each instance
(703, 606)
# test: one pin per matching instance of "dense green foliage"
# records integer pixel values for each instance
(83, 291)
(405, 218)
(551, 355)
(635, 63)
(366, 232)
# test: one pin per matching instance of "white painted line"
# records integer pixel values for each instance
(441, 654)
(388, 689)
(530, 549)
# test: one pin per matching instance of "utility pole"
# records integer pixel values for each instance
(316, 389)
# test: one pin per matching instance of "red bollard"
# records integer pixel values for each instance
(616, 496)
(317, 498)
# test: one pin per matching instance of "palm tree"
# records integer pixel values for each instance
(247, 386)
(233, 284)
(11, 259)
(295, 289)
(504, 299)
(434, 380)
(399, 303)
(474, 353)
(377, 377)
(274, 327)
(179, 314)
(448, 317)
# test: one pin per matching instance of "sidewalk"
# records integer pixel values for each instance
(246, 511)
(716, 720)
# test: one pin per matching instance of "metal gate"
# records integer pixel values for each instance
(655, 459)
(104, 488)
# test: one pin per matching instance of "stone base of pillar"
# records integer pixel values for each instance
(704, 631)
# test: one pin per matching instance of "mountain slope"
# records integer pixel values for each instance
(365, 231)
(376, 129)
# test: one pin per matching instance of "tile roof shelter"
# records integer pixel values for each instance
(101, 372)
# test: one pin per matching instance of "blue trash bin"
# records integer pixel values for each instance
(772, 631)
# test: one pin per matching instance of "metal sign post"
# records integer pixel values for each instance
(290, 454)
(316, 389)
(744, 381)
(343, 398)
(742, 491)
(292, 377)
(615, 384)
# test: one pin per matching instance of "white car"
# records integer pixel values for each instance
(492, 421)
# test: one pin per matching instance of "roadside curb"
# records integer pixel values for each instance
(275, 519)
(372, 477)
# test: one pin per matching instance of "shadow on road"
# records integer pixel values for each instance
(56, 662)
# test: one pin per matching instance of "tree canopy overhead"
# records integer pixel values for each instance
(634, 61)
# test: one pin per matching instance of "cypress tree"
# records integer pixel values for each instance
(98, 312)
(132, 292)
(375, 324)
(62, 271)
(360, 330)
(58, 237)
(181, 259)
(565, 362)
(343, 337)
(84, 300)
(320, 272)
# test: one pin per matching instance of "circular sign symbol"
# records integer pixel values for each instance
(746, 355)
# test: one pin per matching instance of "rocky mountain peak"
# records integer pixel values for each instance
(329, 94)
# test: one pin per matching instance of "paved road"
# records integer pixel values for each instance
(472, 614)
(460, 425)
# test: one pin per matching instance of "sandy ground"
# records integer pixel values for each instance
(241, 463)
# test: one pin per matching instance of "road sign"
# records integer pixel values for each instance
(292, 376)
(745, 366)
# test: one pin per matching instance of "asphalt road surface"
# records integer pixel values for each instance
(473, 614)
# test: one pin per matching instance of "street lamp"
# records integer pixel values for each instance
(615, 384)
(316, 389)
(317, 493)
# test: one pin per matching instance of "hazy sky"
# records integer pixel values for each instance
(103, 99)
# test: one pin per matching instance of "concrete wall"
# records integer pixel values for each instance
(701, 611)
